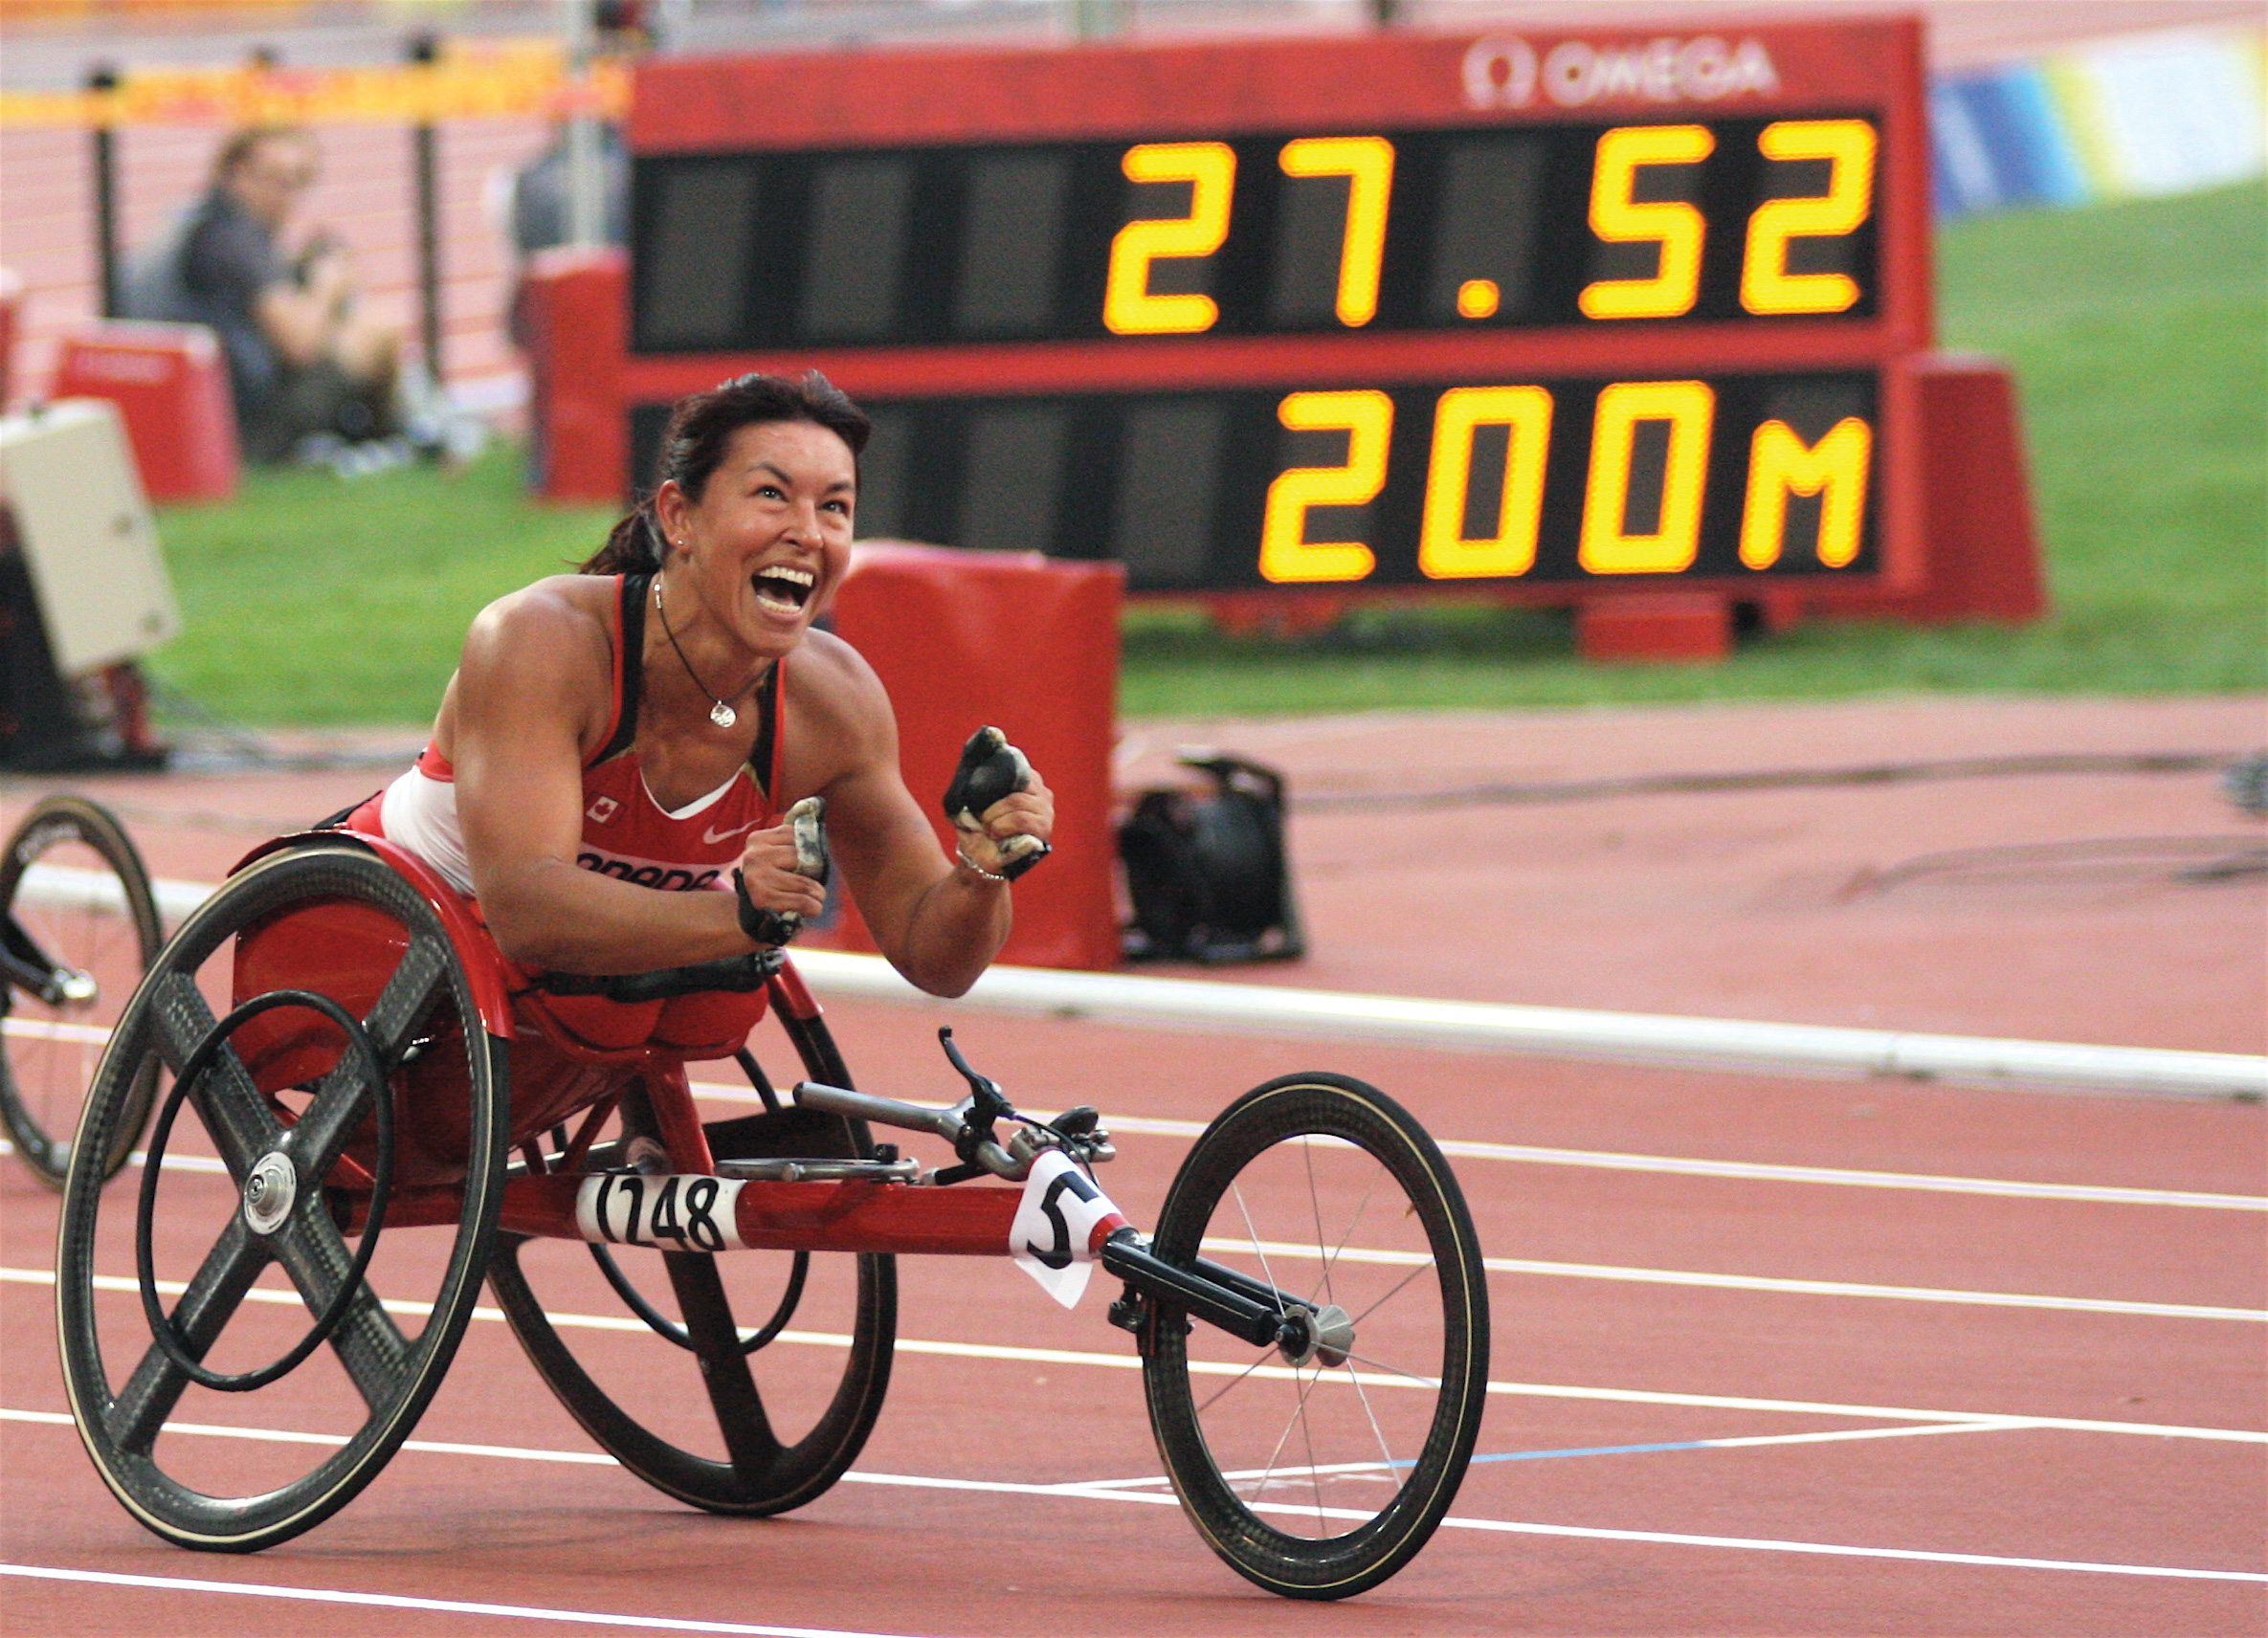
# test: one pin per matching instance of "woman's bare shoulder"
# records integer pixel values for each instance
(839, 719)
(547, 647)
(833, 679)
(560, 625)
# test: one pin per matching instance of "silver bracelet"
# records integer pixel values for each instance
(974, 868)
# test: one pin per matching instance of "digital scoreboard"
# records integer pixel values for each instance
(1527, 314)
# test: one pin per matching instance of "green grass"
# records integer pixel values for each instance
(312, 600)
(2139, 333)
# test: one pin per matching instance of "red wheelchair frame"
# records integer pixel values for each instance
(383, 1061)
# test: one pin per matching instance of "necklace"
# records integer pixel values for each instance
(720, 713)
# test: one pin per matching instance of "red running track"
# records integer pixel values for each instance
(2085, 1518)
(1601, 1537)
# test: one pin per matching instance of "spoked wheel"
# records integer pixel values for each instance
(1317, 1469)
(76, 910)
(228, 1271)
(742, 1382)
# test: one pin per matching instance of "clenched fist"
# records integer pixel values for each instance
(1000, 808)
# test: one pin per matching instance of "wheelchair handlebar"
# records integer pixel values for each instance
(951, 1124)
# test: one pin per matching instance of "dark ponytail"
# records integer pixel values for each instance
(701, 430)
(633, 546)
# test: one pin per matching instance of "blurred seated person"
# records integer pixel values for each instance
(304, 357)
(538, 209)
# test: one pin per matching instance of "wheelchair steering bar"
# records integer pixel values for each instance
(951, 1124)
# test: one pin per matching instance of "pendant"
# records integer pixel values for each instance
(724, 715)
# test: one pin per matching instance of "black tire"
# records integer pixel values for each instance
(146, 1420)
(100, 920)
(781, 1413)
(1388, 1427)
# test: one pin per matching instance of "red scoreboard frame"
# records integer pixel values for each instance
(1357, 392)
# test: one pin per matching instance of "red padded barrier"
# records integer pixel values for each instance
(171, 386)
(963, 639)
(1980, 543)
(1979, 536)
(1655, 625)
(572, 318)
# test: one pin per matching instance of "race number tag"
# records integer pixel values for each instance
(671, 1213)
(1059, 1226)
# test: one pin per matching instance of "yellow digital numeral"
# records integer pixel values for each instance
(1286, 555)
(1444, 552)
(1780, 464)
(1367, 163)
(1679, 229)
(1128, 308)
(1766, 286)
(1689, 406)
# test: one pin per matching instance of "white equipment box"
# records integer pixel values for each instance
(68, 475)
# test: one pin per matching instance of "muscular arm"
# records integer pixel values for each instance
(939, 925)
(536, 668)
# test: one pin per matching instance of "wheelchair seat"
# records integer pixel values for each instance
(570, 1036)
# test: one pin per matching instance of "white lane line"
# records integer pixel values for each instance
(1207, 1367)
(1757, 1282)
(1602, 1159)
(575, 1458)
(1929, 1183)
(1677, 1277)
(1104, 1491)
(1151, 1481)
(1745, 1440)
(1729, 1044)
(281, 1436)
(1673, 1538)
(47, 1030)
(438, 1605)
(1607, 1159)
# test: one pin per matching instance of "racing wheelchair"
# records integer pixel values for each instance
(383, 1112)
(79, 925)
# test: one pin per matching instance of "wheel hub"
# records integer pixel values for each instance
(269, 1191)
(1317, 1336)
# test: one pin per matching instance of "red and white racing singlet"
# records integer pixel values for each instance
(625, 833)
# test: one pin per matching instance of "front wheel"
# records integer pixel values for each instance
(1318, 1468)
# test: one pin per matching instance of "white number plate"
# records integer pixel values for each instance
(673, 1213)
(1059, 1223)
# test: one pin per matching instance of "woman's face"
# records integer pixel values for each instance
(769, 539)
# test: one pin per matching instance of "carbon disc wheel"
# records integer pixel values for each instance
(240, 1356)
(742, 1383)
(1317, 1468)
(75, 901)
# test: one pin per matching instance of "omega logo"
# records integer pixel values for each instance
(1502, 71)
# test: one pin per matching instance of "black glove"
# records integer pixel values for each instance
(991, 769)
(807, 820)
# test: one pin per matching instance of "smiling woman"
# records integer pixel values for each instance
(618, 766)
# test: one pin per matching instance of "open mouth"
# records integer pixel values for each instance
(784, 589)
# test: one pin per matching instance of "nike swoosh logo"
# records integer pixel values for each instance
(711, 838)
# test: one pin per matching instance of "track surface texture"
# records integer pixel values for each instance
(1732, 1394)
